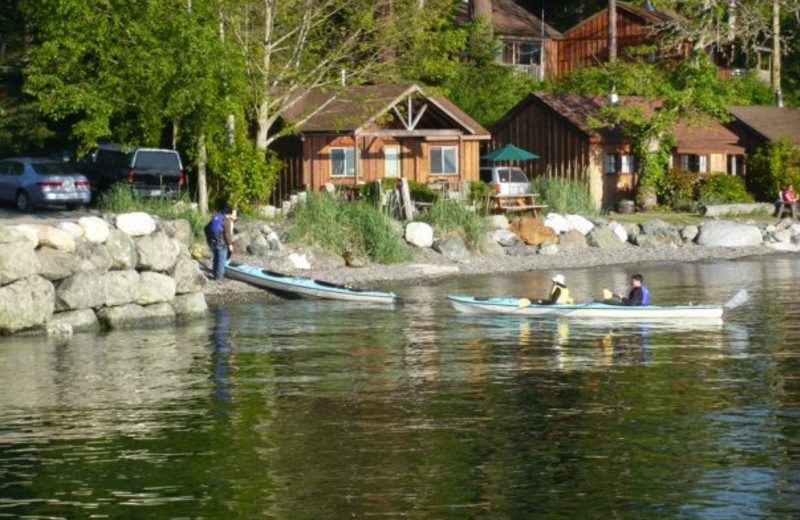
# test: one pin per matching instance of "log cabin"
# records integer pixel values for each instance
(365, 133)
(562, 129)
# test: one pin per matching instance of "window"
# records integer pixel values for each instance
(610, 163)
(443, 160)
(528, 53)
(619, 163)
(626, 164)
(736, 164)
(391, 161)
(343, 162)
(694, 163)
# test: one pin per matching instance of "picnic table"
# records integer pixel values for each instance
(502, 204)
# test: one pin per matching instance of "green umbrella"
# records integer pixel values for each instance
(509, 152)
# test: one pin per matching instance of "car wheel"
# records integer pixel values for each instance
(23, 202)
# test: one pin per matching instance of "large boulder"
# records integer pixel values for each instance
(619, 230)
(132, 315)
(156, 252)
(580, 223)
(192, 305)
(155, 288)
(557, 223)
(19, 235)
(122, 249)
(180, 230)
(17, 261)
(94, 229)
(604, 238)
(452, 247)
(572, 240)
(70, 227)
(136, 224)
(533, 232)
(25, 304)
(55, 238)
(726, 233)
(689, 233)
(83, 290)
(188, 276)
(491, 248)
(419, 234)
(83, 320)
(57, 264)
(503, 237)
(121, 287)
(93, 256)
(497, 222)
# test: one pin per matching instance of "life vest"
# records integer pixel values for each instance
(645, 295)
(214, 228)
(564, 297)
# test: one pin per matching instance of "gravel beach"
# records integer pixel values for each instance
(429, 267)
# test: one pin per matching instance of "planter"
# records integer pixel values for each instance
(626, 207)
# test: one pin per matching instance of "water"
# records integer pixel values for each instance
(328, 410)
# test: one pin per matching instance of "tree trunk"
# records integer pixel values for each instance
(202, 186)
(775, 76)
(612, 31)
(482, 8)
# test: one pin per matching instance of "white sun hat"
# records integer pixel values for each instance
(559, 278)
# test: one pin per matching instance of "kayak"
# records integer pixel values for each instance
(524, 307)
(302, 287)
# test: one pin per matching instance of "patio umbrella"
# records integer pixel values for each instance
(509, 152)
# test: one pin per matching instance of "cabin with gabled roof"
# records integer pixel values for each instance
(366, 133)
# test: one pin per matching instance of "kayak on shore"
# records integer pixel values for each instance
(290, 286)
(524, 307)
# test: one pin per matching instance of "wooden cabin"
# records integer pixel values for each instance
(758, 126)
(526, 42)
(561, 129)
(365, 133)
(586, 43)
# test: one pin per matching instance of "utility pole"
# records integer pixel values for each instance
(612, 31)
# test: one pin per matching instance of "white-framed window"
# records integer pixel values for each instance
(343, 162)
(391, 161)
(626, 164)
(443, 160)
(610, 163)
(694, 163)
(619, 163)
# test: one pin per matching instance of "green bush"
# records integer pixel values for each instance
(422, 192)
(248, 174)
(337, 226)
(449, 216)
(679, 189)
(564, 195)
(771, 168)
(721, 188)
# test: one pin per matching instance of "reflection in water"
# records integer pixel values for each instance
(319, 409)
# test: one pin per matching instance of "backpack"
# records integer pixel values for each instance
(214, 227)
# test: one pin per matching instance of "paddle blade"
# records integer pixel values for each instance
(738, 299)
(523, 302)
(607, 295)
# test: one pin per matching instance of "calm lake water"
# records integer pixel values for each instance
(328, 410)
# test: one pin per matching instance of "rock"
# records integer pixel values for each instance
(572, 240)
(689, 233)
(83, 290)
(419, 234)
(322, 259)
(533, 232)
(189, 306)
(122, 249)
(269, 211)
(452, 247)
(93, 256)
(580, 223)
(25, 304)
(70, 227)
(56, 264)
(503, 237)
(274, 241)
(279, 262)
(794, 229)
(520, 249)
(55, 238)
(491, 248)
(136, 224)
(241, 242)
(604, 238)
(653, 241)
(156, 252)
(497, 222)
(188, 276)
(783, 236)
(722, 210)
(17, 261)
(633, 229)
(299, 261)
(548, 249)
(655, 226)
(19, 235)
(785, 248)
(83, 320)
(132, 315)
(259, 250)
(155, 288)
(557, 223)
(619, 230)
(726, 233)
(121, 287)
(94, 229)
(179, 229)
(354, 260)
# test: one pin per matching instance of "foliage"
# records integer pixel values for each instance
(721, 188)
(679, 188)
(564, 195)
(422, 192)
(248, 174)
(687, 191)
(479, 192)
(771, 168)
(337, 226)
(448, 216)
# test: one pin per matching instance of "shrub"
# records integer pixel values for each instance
(448, 216)
(421, 192)
(564, 195)
(772, 167)
(679, 188)
(721, 188)
(248, 174)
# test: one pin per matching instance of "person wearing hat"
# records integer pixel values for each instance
(559, 292)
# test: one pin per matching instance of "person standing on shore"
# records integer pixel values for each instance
(219, 235)
(788, 199)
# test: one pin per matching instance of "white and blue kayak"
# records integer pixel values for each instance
(302, 287)
(524, 307)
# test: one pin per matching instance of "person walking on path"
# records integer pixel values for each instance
(219, 235)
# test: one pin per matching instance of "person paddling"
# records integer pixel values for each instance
(559, 292)
(639, 293)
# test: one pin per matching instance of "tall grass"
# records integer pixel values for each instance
(448, 216)
(338, 226)
(564, 195)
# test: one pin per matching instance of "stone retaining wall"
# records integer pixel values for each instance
(99, 273)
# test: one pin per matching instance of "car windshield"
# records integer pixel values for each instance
(52, 168)
(517, 175)
(145, 159)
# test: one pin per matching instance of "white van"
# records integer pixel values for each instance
(509, 180)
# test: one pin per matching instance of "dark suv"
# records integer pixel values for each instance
(151, 172)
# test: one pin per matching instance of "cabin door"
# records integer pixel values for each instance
(391, 161)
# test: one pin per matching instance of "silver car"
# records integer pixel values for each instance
(38, 181)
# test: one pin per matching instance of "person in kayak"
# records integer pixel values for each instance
(639, 293)
(559, 292)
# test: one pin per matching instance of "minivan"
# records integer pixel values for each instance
(508, 180)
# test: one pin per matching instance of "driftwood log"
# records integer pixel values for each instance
(723, 210)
